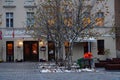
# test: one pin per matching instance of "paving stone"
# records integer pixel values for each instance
(30, 71)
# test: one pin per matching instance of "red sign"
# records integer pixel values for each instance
(0, 35)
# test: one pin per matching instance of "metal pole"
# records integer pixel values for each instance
(89, 46)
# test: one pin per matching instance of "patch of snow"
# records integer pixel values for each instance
(88, 70)
(45, 71)
(52, 68)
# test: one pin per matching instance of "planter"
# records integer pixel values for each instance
(84, 63)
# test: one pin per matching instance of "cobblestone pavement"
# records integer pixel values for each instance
(30, 71)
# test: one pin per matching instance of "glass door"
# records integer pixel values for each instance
(51, 51)
(34, 51)
(31, 51)
(9, 51)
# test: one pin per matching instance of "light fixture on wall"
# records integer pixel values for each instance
(20, 43)
(42, 45)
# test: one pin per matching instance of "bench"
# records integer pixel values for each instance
(112, 66)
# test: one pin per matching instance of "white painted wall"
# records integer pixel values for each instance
(78, 51)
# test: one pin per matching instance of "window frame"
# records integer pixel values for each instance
(99, 20)
(30, 18)
(9, 19)
(100, 47)
(86, 19)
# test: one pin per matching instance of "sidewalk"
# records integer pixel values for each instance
(30, 71)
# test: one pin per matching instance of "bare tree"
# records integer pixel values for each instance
(65, 21)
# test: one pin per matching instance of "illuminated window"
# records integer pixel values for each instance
(86, 19)
(9, 51)
(9, 48)
(67, 44)
(100, 19)
(51, 22)
(68, 22)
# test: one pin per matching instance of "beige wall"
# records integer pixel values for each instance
(109, 44)
(78, 51)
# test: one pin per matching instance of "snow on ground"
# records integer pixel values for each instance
(52, 68)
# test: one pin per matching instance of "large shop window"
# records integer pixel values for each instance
(100, 46)
(9, 19)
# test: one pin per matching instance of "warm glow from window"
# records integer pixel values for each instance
(9, 46)
(68, 22)
(67, 44)
(51, 22)
(100, 21)
(86, 21)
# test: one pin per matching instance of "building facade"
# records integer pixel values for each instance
(117, 19)
(15, 44)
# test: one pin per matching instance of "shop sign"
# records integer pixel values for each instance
(17, 33)
(43, 48)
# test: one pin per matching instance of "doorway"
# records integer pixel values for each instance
(51, 51)
(87, 47)
(31, 52)
(9, 51)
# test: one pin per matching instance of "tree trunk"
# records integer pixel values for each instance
(69, 57)
(59, 54)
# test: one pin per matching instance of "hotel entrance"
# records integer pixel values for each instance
(87, 47)
(31, 52)
(51, 51)
(9, 51)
